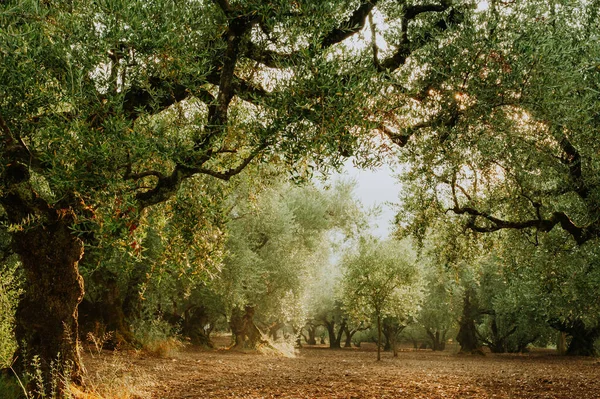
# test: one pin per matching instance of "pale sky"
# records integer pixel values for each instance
(375, 188)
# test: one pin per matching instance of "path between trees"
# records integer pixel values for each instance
(354, 373)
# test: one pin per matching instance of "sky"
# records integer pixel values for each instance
(375, 188)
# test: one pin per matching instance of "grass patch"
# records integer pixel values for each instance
(157, 337)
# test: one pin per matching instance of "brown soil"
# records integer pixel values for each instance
(318, 372)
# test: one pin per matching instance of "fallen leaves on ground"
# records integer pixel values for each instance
(354, 373)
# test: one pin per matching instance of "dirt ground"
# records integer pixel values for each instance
(317, 372)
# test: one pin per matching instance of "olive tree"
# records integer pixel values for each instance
(108, 107)
(276, 244)
(376, 276)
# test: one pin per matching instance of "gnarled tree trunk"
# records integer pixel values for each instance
(582, 340)
(46, 317)
(582, 337)
(311, 339)
(334, 339)
(438, 339)
(274, 329)
(467, 333)
(110, 308)
(245, 333)
(197, 326)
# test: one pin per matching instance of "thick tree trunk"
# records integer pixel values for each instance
(194, 326)
(349, 334)
(245, 333)
(46, 326)
(111, 309)
(274, 329)
(335, 340)
(333, 343)
(582, 340)
(46, 318)
(438, 340)
(467, 333)
(582, 337)
(498, 343)
(312, 334)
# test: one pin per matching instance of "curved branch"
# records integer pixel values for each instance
(405, 46)
(579, 234)
(355, 23)
(228, 174)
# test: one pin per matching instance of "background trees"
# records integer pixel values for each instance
(375, 282)
(276, 245)
(502, 141)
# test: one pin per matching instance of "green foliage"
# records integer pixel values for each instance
(377, 279)
(10, 388)
(10, 289)
(502, 137)
(442, 299)
(156, 336)
(557, 280)
(512, 319)
(278, 241)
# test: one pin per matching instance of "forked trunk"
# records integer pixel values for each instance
(438, 340)
(334, 339)
(245, 333)
(311, 339)
(46, 318)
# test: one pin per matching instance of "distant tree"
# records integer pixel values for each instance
(511, 320)
(556, 283)
(375, 278)
(275, 246)
(439, 310)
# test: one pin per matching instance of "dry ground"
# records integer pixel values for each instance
(354, 373)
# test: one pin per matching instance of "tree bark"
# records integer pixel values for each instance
(467, 333)
(111, 310)
(46, 318)
(349, 334)
(194, 326)
(582, 336)
(561, 344)
(312, 334)
(378, 336)
(245, 333)
(274, 329)
(334, 339)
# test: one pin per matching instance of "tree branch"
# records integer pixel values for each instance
(405, 47)
(355, 23)
(580, 234)
(228, 174)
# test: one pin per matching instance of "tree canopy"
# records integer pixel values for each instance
(119, 113)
